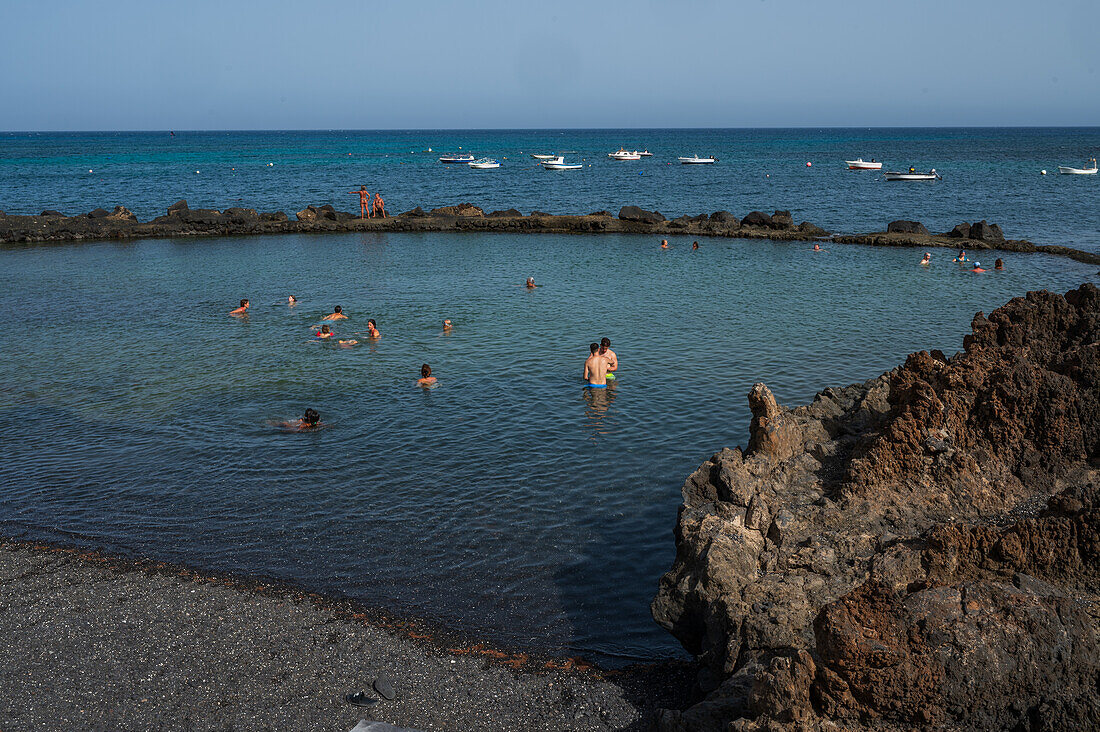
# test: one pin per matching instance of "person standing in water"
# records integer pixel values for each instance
(325, 332)
(999, 264)
(292, 301)
(372, 329)
(694, 246)
(531, 283)
(595, 368)
(612, 359)
(426, 378)
(447, 325)
(977, 267)
(242, 309)
(364, 201)
(927, 260)
(962, 257)
(337, 314)
(664, 243)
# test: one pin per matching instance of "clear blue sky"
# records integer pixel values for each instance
(362, 64)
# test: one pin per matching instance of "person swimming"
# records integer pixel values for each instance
(664, 243)
(977, 267)
(426, 378)
(337, 314)
(242, 309)
(595, 368)
(694, 246)
(372, 329)
(962, 257)
(325, 332)
(817, 248)
(999, 264)
(612, 359)
(348, 343)
(308, 421)
(447, 324)
(531, 283)
(927, 259)
(292, 301)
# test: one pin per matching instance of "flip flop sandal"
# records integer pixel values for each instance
(359, 699)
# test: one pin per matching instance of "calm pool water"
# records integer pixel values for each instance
(507, 501)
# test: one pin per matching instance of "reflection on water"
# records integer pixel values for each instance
(499, 501)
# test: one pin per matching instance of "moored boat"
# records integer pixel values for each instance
(861, 164)
(696, 160)
(485, 163)
(644, 153)
(457, 159)
(536, 156)
(911, 174)
(559, 163)
(622, 154)
(1087, 170)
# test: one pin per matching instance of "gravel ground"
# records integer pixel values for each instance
(91, 642)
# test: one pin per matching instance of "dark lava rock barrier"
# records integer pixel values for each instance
(181, 221)
(921, 551)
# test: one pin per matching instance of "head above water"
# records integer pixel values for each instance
(325, 329)
(292, 299)
(605, 343)
(371, 323)
(311, 417)
(425, 371)
(244, 303)
(999, 264)
(337, 309)
(593, 347)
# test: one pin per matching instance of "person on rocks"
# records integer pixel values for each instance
(999, 264)
(364, 201)
(379, 209)
(612, 359)
(372, 329)
(927, 259)
(595, 368)
(242, 310)
(426, 378)
(325, 332)
(336, 314)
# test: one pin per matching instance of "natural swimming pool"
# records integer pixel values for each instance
(507, 501)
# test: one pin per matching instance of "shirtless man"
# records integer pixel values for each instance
(242, 309)
(379, 206)
(337, 314)
(612, 359)
(595, 368)
(426, 378)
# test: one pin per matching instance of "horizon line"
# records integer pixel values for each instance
(557, 129)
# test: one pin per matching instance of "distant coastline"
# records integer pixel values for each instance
(182, 221)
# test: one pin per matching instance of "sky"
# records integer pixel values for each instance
(429, 64)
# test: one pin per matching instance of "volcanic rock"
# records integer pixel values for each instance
(757, 218)
(180, 205)
(633, 213)
(121, 213)
(462, 209)
(506, 213)
(724, 217)
(919, 550)
(99, 213)
(416, 213)
(782, 220)
(51, 212)
(906, 227)
(990, 233)
(961, 231)
(812, 229)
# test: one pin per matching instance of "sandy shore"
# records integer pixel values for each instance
(89, 641)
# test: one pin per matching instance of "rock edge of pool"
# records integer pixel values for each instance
(182, 221)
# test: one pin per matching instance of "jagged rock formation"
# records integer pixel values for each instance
(919, 551)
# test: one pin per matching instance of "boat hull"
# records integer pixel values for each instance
(697, 161)
(562, 166)
(861, 165)
(910, 176)
(1066, 170)
(459, 159)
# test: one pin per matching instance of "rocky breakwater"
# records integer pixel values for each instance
(921, 551)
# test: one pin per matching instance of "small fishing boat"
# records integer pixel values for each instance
(911, 174)
(1067, 170)
(485, 164)
(559, 163)
(543, 157)
(622, 154)
(457, 159)
(861, 164)
(644, 153)
(696, 160)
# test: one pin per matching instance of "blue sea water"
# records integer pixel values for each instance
(508, 501)
(988, 174)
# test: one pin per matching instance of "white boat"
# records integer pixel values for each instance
(861, 164)
(1067, 170)
(543, 157)
(911, 174)
(457, 159)
(622, 154)
(485, 164)
(644, 153)
(559, 163)
(696, 160)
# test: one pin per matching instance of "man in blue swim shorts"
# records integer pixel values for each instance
(595, 368)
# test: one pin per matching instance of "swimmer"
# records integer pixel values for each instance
(447, 325)
(595, 368)
(372, 329)
(337, 314)
(292, 301)
(426, 378)
(531, 283)
(310, 420)
(348, 343)
(242, 309)
(694, 246)
(977, 267)
(817, 248)
(325, 332)
(927, 259)
(664, 243)
(962, 257)
(612, 359)
(999, 264)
